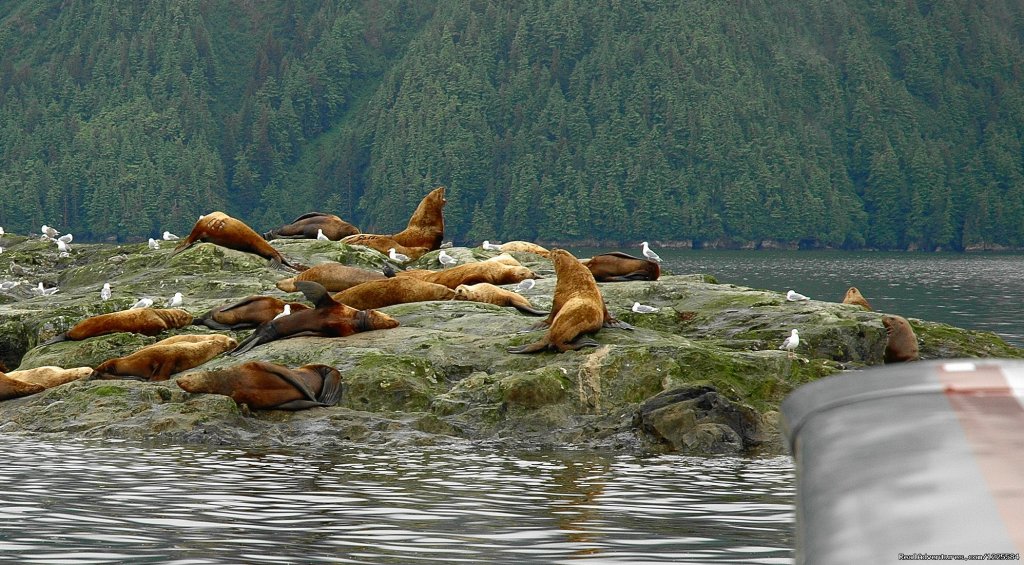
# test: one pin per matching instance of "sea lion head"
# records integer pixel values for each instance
(463, 292)
(367, 320)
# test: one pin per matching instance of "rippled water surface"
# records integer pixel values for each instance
(112, 502)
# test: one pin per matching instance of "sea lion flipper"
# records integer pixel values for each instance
(212, 324)
(530, 347)
(262, 334)
(315, 293)
(532, 311)
(580, 343)
(298, 405)
(330, 392)
(614, 323)
(285, 376)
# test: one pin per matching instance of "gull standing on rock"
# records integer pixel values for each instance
(1, 230)
(175, 301)
(790, 343)
(154, 244)
(168, 236)
(395, 256)
(648, 253)
(142, 303)
(794, 296)
(643, 308)
(320, 235)
(49, 232)
(63, 247)
(105, 292)
(446, 259)
(45, 291)
(488, 246)
(524, 285)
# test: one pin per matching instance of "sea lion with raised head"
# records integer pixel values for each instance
(577, 309)
(387, 292)
(425, 230)
(266, 386)
(491, 272)
(618, 267)
(333, 276)
(146, 321)
(220, 229)
(328, 318)
(853, 296)
(247, 313)
(306, 226)
(900, 341)
(486, 292)
(157, 362)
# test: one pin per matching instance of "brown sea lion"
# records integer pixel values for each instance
(306, 226)
(472, 273)
(50, 376)
(383, 243)
(335, 277)
(577, 308)
(146, 321)
(505, 259)
(327, 318)
(426, 226)
(266, 386)
(853, 296)
(157, 362)
(248, 313)
(14, 388)
(900, 341)
(220, 229)
(486, 292)
(399, 290)
(524, 247)
(617, 266)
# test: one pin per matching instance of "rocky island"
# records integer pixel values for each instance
(702, 374)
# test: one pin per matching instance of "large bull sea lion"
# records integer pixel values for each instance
(900, 341)
(247, 313)
(853, 296)
(425, 230)
(220, 229)
(146, 321)
(617, 266)
(492, 272)
(265, 386)
(577, 308)
(486, 292)
(327, 318)
(399, 290)
(335, 277)
(157, 362)
(306, 226)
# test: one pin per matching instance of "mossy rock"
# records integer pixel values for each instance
(535, 389)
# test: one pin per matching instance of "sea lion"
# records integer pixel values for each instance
(146, 321)
(220, 229)
(617, 266)
(900, 341)
(306, 226)
(50, 376)
(524, 247)
(853, 296)
(335, 277)
(383, 243)
(399, 290)
(426, 226)
(577, 308)
(472, 273)
(157, 362)
(505, 259)
(486, 292)
(248, 313)
(14, 388)
(327, 318)
(265, 386)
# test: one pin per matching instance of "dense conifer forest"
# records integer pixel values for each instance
(850, 123)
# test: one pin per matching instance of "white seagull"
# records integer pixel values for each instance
(154, 244)
(286, 312)
(1, 249)
(524, 285)
(320, 235)
(445, 245)
(1, 230)
(790, 343)
(48, 231)
(168, 236)
(794, 296)
(142, 303)
(63, 247)
(66, 238)
(395, 256)
(105, 293)
(643, 308)
(488, 246)
(650, 254)
(45, 291)
(175, 301)
(446, 259)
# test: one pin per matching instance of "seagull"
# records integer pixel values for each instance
(650, 254)
(446, 259)
(168, 236)
(175, 301)
(154, 244)
(287, 311)
(105, 293)
(524, 285)
(63, 247)
(1, 230)
(490, 246)
(142, 303)
(791, 342)
(643, 308)
(66, 238)
(1, 249)
(445, 245)
(794, 296)
(45, 291)
(48, 231)
(397, 256)
(320, 235)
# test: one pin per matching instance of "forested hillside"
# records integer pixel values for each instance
(850, 123)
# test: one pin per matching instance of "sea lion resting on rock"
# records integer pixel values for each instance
(146, 321)
(264, 386)
(220, 229)
(248, 313)
(472, 273)
(577, 309)
(486, 292)
(14, 388)
(399, 290)
(327, 318)
(157, 362)
(31, 381)
(306, 226)
(524, 247)
(335, 277)
(383, 243)
(853, 296)
(617, 266)
(900, 342)
(425, 229)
